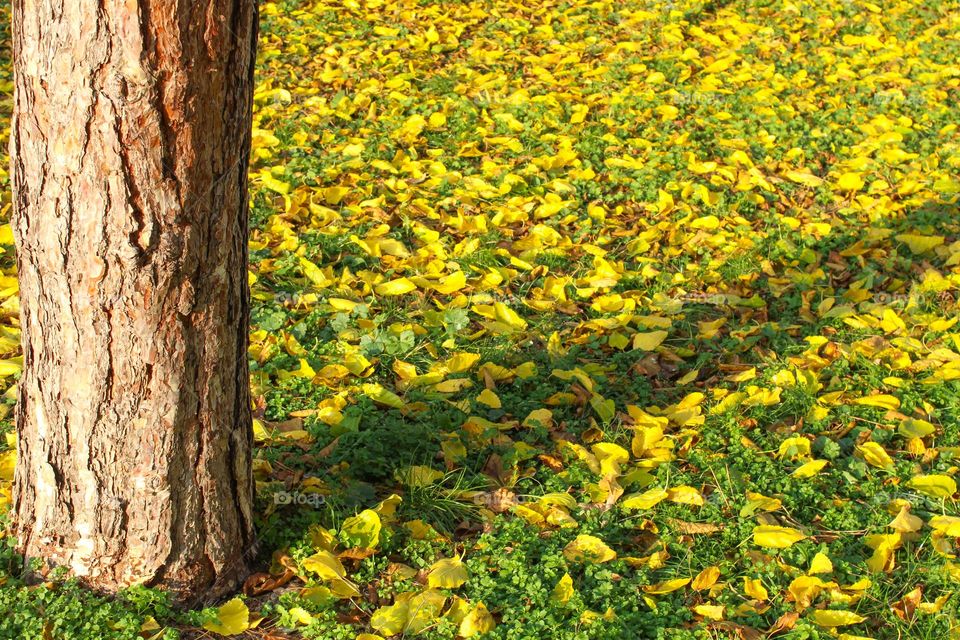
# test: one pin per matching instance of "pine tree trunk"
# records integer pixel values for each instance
(129, 149)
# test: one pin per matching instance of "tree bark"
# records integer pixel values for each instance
(129, 149)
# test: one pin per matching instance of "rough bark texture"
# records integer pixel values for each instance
(129, 152)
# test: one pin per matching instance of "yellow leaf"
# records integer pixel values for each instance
(708, 223)
(392, 619)
(618, 341)
(418, 476)
(665, 201)
(793, 448)
(915, 428)
(758, 502)
(396, 287)
(803, 177)
(324, 564)
(934, 485)
(891, 322)
(477, 621)
(719, 65)
(610, 456)
(563, 591)
(356, 363)
(666, 586)
(875, 455)
(150, 624)
(920, 244)
(266, 177)
(709, 611)
(378, 394)
(776, 537)
(489, 398)
(333, 195)
(420, 530)
(880, 400)
(803, 590)
(835, 618)
(539, 418)
(352, 150)
(362, 530)
(645, 439)
(342, 304)
(820, 564)
(332, 373)
(706, 578)
(685, 495)
(906, 522)
(588, 549)
(579, 113)
(460, 362)
(526, 370)
(850, 182)
(453, 386)
(448, 573)
(643, 419)
(508, 316)
(458, 609)
(646, 500)
(305, 370)
(233, 618)
(8, 462)
(300, 615)
(387, 508)
(884, 546)
(754, 588)
(411, 613)
(649, 341)
(947, 525)
(743, 376)
(314, 273)
(760, 396)
(606, 409)
(451, 283)
(809, 469)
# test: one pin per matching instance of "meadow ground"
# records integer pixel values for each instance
(586, 320)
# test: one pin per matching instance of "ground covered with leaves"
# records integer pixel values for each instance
(589, 320)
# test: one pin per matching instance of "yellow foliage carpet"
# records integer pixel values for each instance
(603, 320)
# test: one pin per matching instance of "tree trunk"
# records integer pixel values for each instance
(130, 140)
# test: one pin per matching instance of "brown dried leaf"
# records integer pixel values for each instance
(554, 464)
(783, 623)
(741, 631)
(356, 553)
(260, 583)
(694, 528)
(906, 608)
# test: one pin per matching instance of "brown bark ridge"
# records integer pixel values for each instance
(129, 150)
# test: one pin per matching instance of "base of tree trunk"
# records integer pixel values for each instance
(129, 146)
